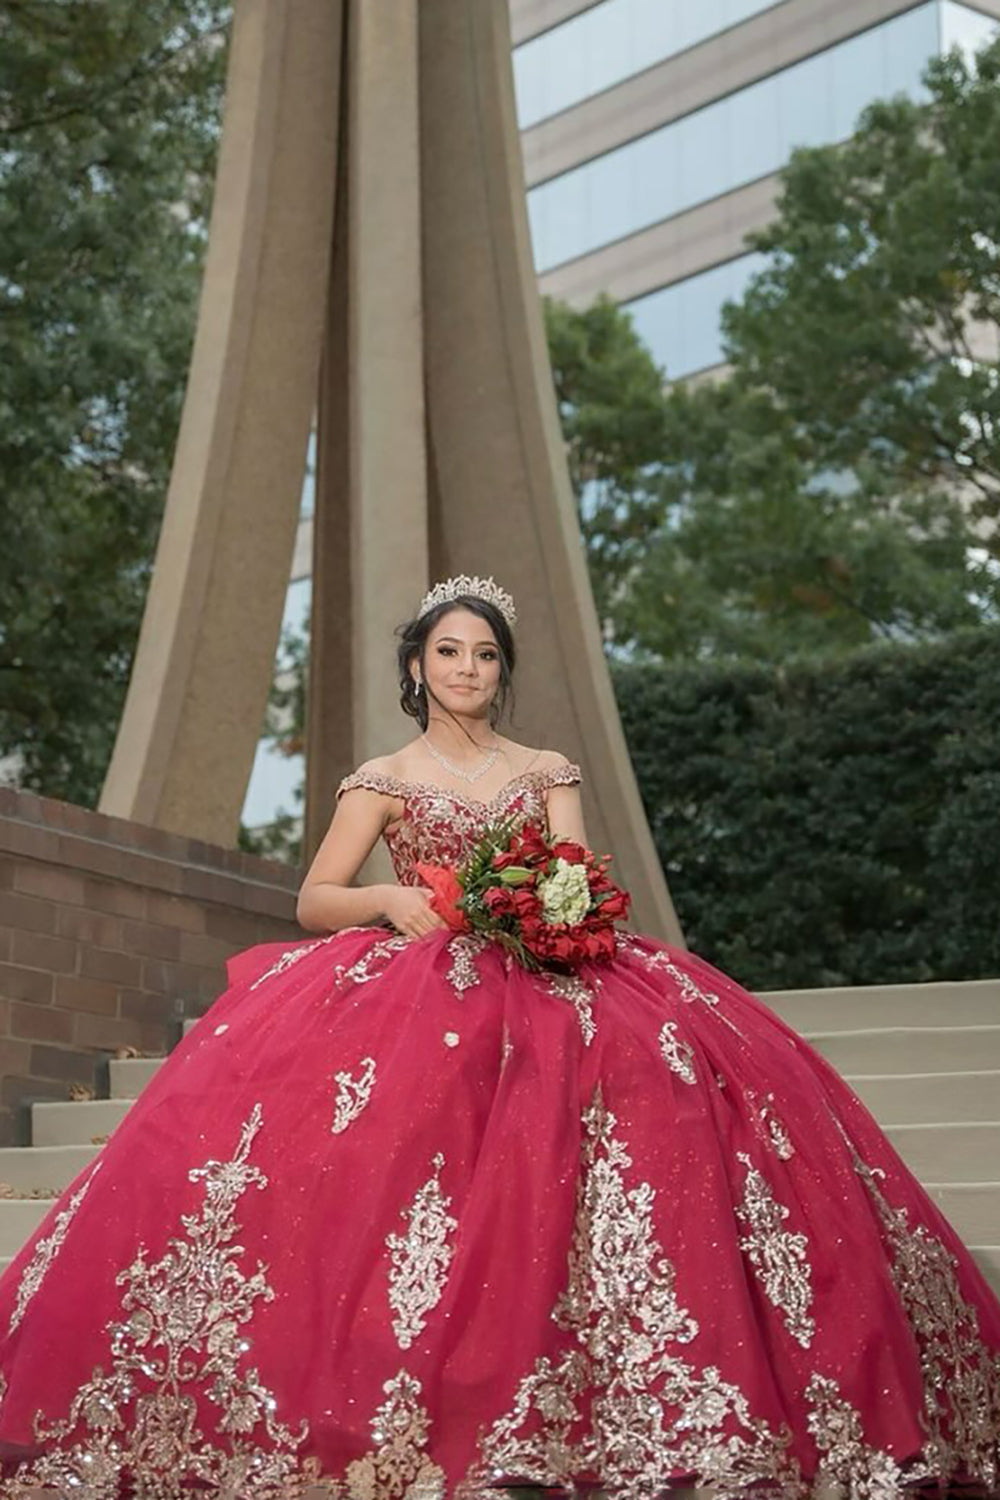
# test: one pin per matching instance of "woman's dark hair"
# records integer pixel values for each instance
(413, 641)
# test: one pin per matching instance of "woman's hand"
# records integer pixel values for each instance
(409, 909)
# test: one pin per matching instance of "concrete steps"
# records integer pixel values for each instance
(988, 1260)
(949, 1153)
(897, 1049)
(880, 1007)
(36, 1168)
(80, 1123)
(972, 1208)
(19, 1218)
(129, 1076)
(930, 1098)
(925, 1059)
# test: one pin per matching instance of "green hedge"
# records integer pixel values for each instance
(829, 823)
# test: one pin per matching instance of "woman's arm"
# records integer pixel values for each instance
(327, 899)
(564, 808)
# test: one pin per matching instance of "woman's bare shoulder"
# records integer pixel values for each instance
(399, 764)
(535, 759)
(380, 774)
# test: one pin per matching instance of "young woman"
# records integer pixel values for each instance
(401, 1219)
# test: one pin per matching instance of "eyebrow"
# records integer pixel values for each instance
(458, 641)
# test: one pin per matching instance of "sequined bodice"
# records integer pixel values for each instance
(442, 827)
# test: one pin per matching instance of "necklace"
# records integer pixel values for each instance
(457, 770)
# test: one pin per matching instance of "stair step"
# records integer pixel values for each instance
(987, 1258)
(27, 1168)
(929, 1098)
(84, 1122)
(129, 1076)
(949, 1153)
(973, 1002)
(972, 1209)
(901, 1049)
(19, 1218)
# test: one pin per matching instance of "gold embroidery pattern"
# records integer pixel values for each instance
(373, 964)
(182, 1330)
(777, 1256)
(621, 1404)
(848, 1466)
(690, 990)
(678, 1055)
(769, 1126)
(463, 950)
(398, 1469)
(961, 1377)
(46, 1251)
(581, 996)
(353, 1095)
(442, 826)
(290, 957)
(420, 1258)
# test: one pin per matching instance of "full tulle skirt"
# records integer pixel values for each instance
(401, 1219)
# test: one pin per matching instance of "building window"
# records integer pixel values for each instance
(680, 323)
(610, 42)
(965, 28)
(736, 140)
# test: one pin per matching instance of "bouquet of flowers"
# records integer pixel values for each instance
(550, 902)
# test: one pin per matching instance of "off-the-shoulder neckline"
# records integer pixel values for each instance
(433, 786)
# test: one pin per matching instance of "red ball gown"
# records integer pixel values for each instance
(400, 1220)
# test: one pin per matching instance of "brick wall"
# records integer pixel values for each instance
(110, 935)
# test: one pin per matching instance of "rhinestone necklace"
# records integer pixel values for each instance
(457, 770)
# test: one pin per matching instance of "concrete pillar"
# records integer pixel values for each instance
(370, 203)
(205, 657)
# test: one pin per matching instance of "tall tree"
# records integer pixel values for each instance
(609, 391)
(843, 484)
(109, 123)
(875, 322)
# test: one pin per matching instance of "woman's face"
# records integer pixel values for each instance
(461, 663)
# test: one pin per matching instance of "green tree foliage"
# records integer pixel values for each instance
(874, 324)
(109, 122)
(842, 484)
(613, 413)
(828, 822)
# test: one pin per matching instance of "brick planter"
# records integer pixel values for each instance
(111, 934)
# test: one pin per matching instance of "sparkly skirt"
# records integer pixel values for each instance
(400, 1221)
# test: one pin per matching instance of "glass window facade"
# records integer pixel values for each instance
(680, 323)
(610, 42)
(747, 135)
(965, 28)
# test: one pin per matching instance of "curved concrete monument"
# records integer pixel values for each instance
(369, 241)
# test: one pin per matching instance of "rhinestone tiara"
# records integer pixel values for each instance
(478, 588)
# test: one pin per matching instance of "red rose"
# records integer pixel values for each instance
(447, 892)
(575, 854)
(615, 907)
(525, 902)
(533, 843)
(498, 900)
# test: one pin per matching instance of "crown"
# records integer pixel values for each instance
(478, 588)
